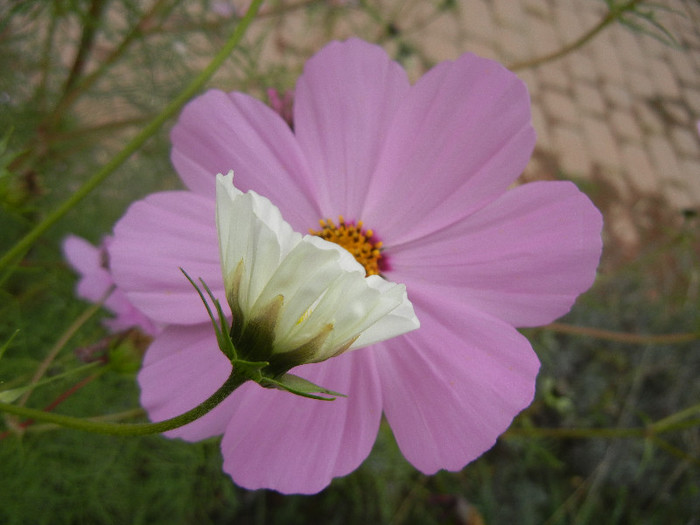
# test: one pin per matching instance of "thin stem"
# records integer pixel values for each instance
(677, 421)
(623, 337)
(76, 89)
(87, 40)
(613, 15)
(62, 341)
(28, 240)
(131, 429)
(117, 416)
(60, 399)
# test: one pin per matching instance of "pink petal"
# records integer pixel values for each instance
(182, 368)
(218, 132)
(345, 102)
(87, 261)
(156, 237)
(290, 444)
(524, 258)
(460, 137)
(453, 386)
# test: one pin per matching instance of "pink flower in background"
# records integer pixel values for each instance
(426, 168)
(90, 263)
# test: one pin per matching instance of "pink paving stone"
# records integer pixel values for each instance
(543, 36)
(538, 8)
(554, 74)
(568, 22)
(559, 107)
(692, 97)
(582, 67)
(601, 141)
(624, 125)
(683, 66)
(641, 175)
(476, 17)
(653, 48)
(650, 121)
(589, 98)
(515, 47)
(665, 160)
(686, 141)
(691, 169)
(627, 44)
(591, 13)
(574, 158)
(441, 39)
(678, 196)
(508, 13)
(663, 79)
(605, 59)
(639, 83)
(617, 96)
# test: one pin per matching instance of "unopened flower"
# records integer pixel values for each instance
(297, 299)
(411, 179)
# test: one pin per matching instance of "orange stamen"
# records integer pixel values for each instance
(354, 239)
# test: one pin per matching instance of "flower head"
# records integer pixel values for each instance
(294, 299)
(427, 168)
(95, 283)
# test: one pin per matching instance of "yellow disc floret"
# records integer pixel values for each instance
(354, 239)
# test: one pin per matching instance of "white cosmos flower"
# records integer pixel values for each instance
(297, 299)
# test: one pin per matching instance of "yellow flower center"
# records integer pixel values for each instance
(354, 239)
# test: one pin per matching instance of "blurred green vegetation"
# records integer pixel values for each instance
(59, 126)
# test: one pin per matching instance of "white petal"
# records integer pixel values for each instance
(251, 229)
(400, 320)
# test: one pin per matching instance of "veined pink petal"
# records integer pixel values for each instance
(156, 237)
(461, 136)
(453, 386)
(182, 368)
(218, 132)
(293, 445)
(524, 258)
(345, 102)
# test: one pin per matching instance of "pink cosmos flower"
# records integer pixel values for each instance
(427, 167)
(90, 262)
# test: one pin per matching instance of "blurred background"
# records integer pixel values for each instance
(613, 435)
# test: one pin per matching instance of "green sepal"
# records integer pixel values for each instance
(221, 330)
(251, 370)
(300, 386)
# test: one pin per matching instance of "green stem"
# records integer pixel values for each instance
(623, 337)
(63, 340)
(613, 15)
(131, 429)
(87, 42)
(678, 421)
(171, 109)
(75, 89)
